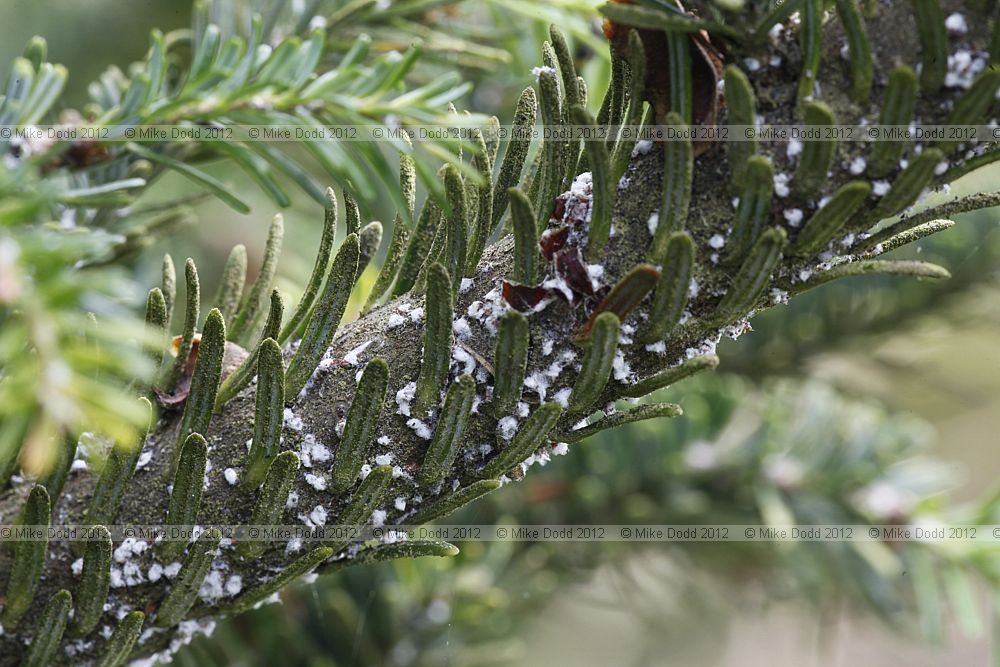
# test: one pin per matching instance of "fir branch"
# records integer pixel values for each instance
(612, 365)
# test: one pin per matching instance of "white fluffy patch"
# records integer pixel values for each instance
(621, 369)
(312, 451)
(539, 381)
(212, 587)
(793, 216)
(404, 397)
(956, 25)
(659, 347)
(461, 328)
(351, 357)
(538, 71)
(144, 459)
(507, 427)
(464, 359)
(562, 397)
(318, 516)
(653, 222)
(642, 147)
(420, 428)
(292, 420)
(234, 584)
(316, 482)
(781, 184)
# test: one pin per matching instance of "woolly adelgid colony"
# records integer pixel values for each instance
(618, 267)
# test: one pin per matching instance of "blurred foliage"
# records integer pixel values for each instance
(69, 380)
(452, 32)
(783, 453)
(492, 45)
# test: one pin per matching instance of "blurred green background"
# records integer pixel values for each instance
(871, 384)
